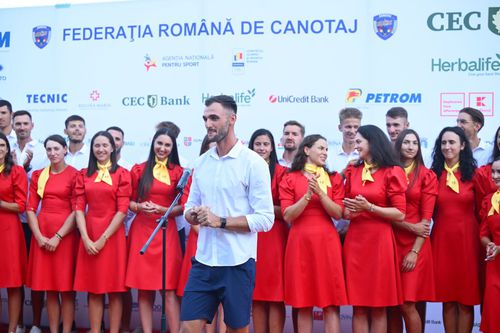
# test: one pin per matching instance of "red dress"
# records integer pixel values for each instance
(190, 252)
(490, 227)
(53, 271)
(104, 272)
(144, 271)
(483, 183)
(418, 285)
(370, 252)
(455, 244)
(314, 275)
(269, 271)
(13, 188)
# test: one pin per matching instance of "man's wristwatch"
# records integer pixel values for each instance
(223, 222)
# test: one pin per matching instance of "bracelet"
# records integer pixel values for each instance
(371, 208)
(415, 251)
(307, 198)
(58, 235)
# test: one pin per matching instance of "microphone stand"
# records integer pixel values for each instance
(162, 223)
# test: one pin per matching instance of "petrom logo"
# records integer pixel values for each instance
(4, 39)
(478, 65)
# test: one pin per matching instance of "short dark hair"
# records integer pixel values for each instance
(56, 138)
(6, 103)
(347, 113)
(397, 112)
(226, 101)
(295, 123)
(475, 114)
(74, 117)
(172, 128)
(21, 113)
(115, 128)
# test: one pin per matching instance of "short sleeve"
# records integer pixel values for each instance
(287, 193)
(484, 230)
(20, 184)
(124, 190)
(429, 192)
(34, 198)
(396, 188)
(80, 201)
(338, 193)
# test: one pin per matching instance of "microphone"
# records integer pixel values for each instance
(184, 178)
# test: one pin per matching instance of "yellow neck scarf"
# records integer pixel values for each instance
(42, 181)
(366, 175)
(408, 170)
(160, 172)
(451, 180)
(495, 203)
(103, 175)
(2, 167)
(323, 178)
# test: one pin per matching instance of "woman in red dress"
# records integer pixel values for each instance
(375, 198)
(490, 238)
(153, 184)
(52, 263)
(314, 275)
(102, 198)
(483, 181)
(13, 194)
(455, 234)
(268, 308)
(414, 247)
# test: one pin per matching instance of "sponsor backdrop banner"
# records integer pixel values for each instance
(136, 63)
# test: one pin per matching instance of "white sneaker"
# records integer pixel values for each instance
(35, 329)
(20, 329)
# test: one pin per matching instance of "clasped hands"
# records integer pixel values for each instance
(49, 244)
(354, 207)
(203, 216)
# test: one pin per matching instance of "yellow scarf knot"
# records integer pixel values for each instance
(2, 167)
(367, 175)
(451, 180)
(103, 175)
(322, 176)
(495, 203)
(42, 181)
(160, 171)
(408, 170)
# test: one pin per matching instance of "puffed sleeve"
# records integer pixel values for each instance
(337, 189)
(124, 191)
(429, 194)
(72, 184)
(287, 193)
(135, 176)
(34, 198)
(20, 187)
(348, 174)
(484, 230)
(80, 202)
(185, 194)
(482, 180)
(279, 172)
(396, 185)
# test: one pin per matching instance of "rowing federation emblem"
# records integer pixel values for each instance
(41, 35)
(385, 25)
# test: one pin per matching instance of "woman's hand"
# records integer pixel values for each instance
(52, 243)
(42, 241)
(147, 207)
(313, 186)
(422, 229)
(357, 205)
(100, 243)
(409, 262)
(90, 247)
(491, 251)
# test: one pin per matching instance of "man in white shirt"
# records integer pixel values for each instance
(119, 138)
(32, 156)
(349, 122)
(78, 152)
(230, 198)
(6, 121)
(293, 134)
(471, 121)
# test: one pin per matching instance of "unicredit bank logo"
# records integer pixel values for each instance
(297, 99)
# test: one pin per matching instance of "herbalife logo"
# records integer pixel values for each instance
(474, 66)
(243, 98)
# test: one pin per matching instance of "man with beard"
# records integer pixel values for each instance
(293, 134)
(345, 154)
(230, 199)
(78, 152)
(6, 121)
(119, 138)
(472, 121)
(396, 121)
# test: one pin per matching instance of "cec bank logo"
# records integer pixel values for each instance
(385, 25)
(41, 35)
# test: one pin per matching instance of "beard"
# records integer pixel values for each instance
(74, 141)
(221, 134)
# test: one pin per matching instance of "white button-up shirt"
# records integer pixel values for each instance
(237, 184)
(79, 159)
(12, 138)
(39, 160)
(483, 153)
(338, 159)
